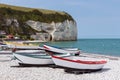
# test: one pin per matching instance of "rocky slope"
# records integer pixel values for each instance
(46, 25)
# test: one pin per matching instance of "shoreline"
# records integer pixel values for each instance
(100, 56)
(10, 70)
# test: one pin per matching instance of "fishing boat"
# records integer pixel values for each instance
(82, 63)
(4, 49)
(35, 59)
(34, 41)
(21, 45)
(2, 44)
(25, 47)
(6, 46)
(65, 48)
(72, 51)
(5, 52)
(31, 51)
(9, 51)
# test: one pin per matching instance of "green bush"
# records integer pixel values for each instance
(33, 15)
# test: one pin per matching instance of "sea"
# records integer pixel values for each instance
(97, 46)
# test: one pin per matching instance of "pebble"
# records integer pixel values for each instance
(8, 71)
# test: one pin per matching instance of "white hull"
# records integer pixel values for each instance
(25, 47)
(5, 52)
(33, 60)
(22, 51)
(34, 41)
(70, 63)
(30, 51)
(53, 49)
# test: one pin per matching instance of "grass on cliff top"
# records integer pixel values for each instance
(30, 9)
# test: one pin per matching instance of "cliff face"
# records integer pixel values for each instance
(66, 30)
(37, 24)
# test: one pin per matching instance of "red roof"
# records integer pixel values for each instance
(10, 36)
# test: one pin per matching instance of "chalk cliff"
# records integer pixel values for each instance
(39, 24)
(66, 30)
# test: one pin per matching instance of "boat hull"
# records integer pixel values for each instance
(33, 59)
(76, 65)
(22, 51)
(57, 50)
(36, 59)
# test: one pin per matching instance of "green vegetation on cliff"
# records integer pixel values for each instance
(23, 14)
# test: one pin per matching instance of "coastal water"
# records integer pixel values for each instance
(98, 46)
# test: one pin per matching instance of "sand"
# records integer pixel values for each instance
(10, 70)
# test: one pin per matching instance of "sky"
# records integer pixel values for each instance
(94, 18)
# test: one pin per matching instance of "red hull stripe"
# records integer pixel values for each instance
(46, 47)
(80, 61)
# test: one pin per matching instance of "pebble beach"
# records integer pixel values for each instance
(10, 70)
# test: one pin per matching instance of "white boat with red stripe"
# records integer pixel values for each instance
(83, 63)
